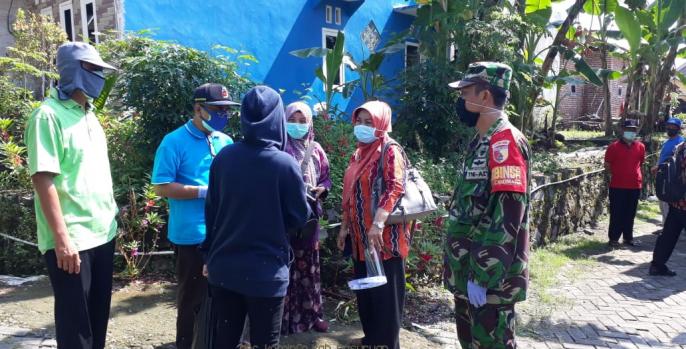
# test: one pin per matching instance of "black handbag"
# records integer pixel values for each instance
(203, 331)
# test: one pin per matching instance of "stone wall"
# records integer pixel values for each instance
(567, 207)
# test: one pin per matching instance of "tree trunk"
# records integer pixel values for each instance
(553, 127)
(552, 53)
(633, 87)
(662, 80)
(606, 93)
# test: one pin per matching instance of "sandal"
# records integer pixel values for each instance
(321, 326)
(356, 342)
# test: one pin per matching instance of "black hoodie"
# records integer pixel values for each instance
(256, 195)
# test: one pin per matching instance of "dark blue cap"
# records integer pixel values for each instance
(630, 123)
(674, 121)
(213, 94)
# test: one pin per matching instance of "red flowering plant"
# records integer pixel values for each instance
(140, 223)
(424, 265)
(337, 139)
(13, 171)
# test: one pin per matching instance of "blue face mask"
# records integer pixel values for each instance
(217, 121)
(365, 134)
(629, 135)
(75, 77)
(296, 130)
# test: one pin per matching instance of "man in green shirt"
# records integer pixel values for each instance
(75, 208)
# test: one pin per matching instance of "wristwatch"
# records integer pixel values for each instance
(379, 225)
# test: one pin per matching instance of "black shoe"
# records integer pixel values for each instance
(660, 271)
(631, 243)
(613, 244)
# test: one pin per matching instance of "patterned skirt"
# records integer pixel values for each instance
(303, 302)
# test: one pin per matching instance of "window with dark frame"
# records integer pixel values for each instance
(338, 16)
(328, 16)
(89, 21)
(411, 55)
(330, 44)
(68, 25)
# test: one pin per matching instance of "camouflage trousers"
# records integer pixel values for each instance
(487, 327)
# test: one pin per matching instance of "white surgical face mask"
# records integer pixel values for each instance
(629, 135)
(365, 134)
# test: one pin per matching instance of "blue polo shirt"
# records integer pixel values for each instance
(668, 148)
(184, 157)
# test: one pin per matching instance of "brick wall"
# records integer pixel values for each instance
(585, 99)
(105, 10)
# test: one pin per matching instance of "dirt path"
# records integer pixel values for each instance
(142, 316)
(616, 305)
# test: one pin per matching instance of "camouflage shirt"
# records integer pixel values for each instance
(487, 237)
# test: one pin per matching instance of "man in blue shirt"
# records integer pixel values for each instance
(673, 127)
(181, 174)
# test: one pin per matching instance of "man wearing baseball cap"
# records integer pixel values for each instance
(75, 207)
(487, 236)
(673, 129)
(623, 160)
(181, 173)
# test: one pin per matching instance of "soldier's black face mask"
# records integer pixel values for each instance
(469, 118)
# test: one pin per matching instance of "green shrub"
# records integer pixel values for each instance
(17, 218)
(141, 222)
(337, 140)
(441, 175)
(31, 61)
(15, 104)
(424, 264)
(427, 121)
(129, 165)
(156, 80)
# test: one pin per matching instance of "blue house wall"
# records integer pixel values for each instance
(269, 30)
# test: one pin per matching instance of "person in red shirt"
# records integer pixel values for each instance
(623, 159)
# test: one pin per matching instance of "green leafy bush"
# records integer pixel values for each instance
(337, 140)
(424, 264)
(427, 121)
(156, 80)
(141, 222)
(31, 61)
(129, 165)
(17, 218)
(15, 105)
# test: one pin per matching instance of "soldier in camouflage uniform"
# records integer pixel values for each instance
(487, 239)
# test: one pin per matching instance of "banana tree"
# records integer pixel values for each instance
(333, 59)
(371, 82)
(562, 36)
(603, 11)
(654, 34)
